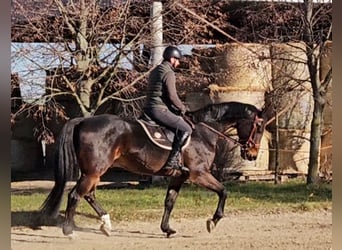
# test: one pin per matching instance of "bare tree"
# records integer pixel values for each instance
(315, 47)
(92, 46)
(95, 55)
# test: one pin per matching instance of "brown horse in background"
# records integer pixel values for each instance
(93, 145)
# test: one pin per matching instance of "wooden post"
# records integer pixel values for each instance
(157, 50)
(276, 172)
(157, 32)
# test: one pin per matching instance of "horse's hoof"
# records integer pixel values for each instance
(106, 230)
(210, 225)
(71, 236)
(170, 232)
(67, 229)
(106, 226)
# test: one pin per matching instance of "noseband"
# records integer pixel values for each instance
(251, 139)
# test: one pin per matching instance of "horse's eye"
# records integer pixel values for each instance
(259, 125)
(260, 122)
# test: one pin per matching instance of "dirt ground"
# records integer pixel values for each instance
(304, 230)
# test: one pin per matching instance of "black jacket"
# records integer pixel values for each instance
(161, 91)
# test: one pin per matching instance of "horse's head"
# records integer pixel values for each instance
(249, 121)
(250, 132)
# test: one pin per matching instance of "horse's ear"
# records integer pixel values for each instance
(268, 113)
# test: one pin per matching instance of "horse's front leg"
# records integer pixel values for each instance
(219, 213)
(208, 181)
(170, 200)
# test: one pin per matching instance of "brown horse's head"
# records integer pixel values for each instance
(248, 120)
(250, 132)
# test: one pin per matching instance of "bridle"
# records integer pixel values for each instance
(251, 138)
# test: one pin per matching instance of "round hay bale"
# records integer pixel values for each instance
(290, 84)
(197, 100)
(240, 74)
(328, 111)
(325, 60)
(255, 98)
(325, 66)
(294, 147)
(289, 65)
(291, 91)
(325, 168)
(240, 66)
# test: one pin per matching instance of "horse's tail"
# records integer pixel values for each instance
(65, 168)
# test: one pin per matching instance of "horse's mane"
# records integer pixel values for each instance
(224, 112)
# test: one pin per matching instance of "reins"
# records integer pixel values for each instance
(221, 134)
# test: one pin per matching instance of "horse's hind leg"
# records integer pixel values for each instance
(170, 199)
(73, 200)
(106, 226)
(84, 185)
(208, 181)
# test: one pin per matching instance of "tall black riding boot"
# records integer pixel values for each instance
(173, 159)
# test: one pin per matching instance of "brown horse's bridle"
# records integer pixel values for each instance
(251, 138)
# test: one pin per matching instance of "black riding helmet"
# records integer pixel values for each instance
(172, 51)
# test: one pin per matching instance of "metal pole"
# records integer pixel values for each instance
(157, 49)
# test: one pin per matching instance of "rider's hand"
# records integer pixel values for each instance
(182, 112)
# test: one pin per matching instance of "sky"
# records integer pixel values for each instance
(30, 60)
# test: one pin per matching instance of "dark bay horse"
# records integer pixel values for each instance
(92, 145)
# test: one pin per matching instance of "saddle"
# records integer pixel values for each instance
(159, 135)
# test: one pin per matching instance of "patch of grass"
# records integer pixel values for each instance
(126, 204)
(294, 195)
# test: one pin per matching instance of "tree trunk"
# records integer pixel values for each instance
(84, 61)
(313, 54)
(317, 118)
(85, 93)
(315, 139)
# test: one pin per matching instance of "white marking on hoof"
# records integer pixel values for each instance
(72, 236)
(106, 226)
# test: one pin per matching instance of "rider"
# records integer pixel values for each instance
(164, 106)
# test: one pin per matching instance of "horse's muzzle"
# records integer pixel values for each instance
(249, 153)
